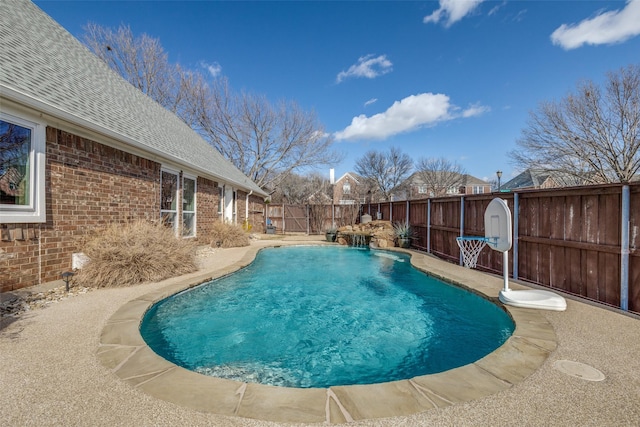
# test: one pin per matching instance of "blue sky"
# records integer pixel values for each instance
(454, 79)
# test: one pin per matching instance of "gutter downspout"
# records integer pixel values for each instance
(246, 209)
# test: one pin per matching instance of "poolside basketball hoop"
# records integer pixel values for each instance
(497, 229)
(470, 248)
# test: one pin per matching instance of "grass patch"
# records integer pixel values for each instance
(133, 253)
(226, 235)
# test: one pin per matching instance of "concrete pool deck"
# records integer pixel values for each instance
(82, 362)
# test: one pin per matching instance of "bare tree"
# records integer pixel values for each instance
(303, 189)
(439, 175)
(140, 60)
(265, 141)
(592, 134)
(387, 170)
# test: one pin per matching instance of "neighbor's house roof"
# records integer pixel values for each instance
(46, 69)
(465, 179)
(351, 175)
(540, 178)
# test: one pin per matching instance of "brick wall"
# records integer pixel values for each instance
(256, 209)
(206, 208)
(88, 185)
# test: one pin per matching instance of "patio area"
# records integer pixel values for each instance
(53, 372)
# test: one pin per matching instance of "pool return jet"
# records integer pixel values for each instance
(498, 235)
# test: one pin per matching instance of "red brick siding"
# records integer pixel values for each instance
(206, 208)
(88, 185)
(256, 211)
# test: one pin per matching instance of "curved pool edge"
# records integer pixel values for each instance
(123, 351)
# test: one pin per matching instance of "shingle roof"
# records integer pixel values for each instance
(465, 179)
(45, 67)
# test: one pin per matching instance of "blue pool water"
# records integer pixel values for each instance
(323, 316)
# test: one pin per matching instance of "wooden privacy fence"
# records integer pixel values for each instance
(310, 219)
(582, 240)
(579, 240)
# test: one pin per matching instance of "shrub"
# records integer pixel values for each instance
(228, 236)
(133, 253)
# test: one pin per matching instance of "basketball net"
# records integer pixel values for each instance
(470, 248)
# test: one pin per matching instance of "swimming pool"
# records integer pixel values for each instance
(322, 316)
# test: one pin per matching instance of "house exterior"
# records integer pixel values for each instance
(452, 184)
(540, 179)
(353, 189)
(81, 148)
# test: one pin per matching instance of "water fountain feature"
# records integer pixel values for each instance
(355, 239)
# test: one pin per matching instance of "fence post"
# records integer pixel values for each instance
(333, 216)
(283, 223)
(390, 211)
(516, 215)
(429, 225)
(308, 211)
(407, 211)
(624, 250)
(461, 223)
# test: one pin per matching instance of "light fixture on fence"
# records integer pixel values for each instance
(499, 175)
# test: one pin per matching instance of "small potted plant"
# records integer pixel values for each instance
(331, 234)
(404, 234)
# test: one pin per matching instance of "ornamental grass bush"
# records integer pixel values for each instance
(133, 253)
(226, 235)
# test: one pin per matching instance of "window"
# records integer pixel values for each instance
(188, 207)
(168, 198)
(346, 188)
(478, 189)
(422, 189)
(220, 202)
(22, 165)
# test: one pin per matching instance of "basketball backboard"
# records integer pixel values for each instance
(497, 225)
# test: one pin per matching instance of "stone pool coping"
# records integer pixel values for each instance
(124, 352)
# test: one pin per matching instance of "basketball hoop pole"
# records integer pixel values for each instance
(505, 269)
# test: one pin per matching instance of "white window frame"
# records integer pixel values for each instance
(453, 190)
(346, 188)
(235, 207)
(422, 189)
(221, 202)
(478, 189)
(35, 211)
(195, 204)
(162, 211)
(347, 202)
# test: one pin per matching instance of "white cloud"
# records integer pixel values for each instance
(371, 101)
(475, 110)
(408, 114)
(367, 66)
(452, 11)
(496, 8)
(214, 69)
(605, 28)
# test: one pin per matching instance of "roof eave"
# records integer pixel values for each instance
(46, 108)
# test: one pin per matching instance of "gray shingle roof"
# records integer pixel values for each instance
(465, 179)
(44, 66)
